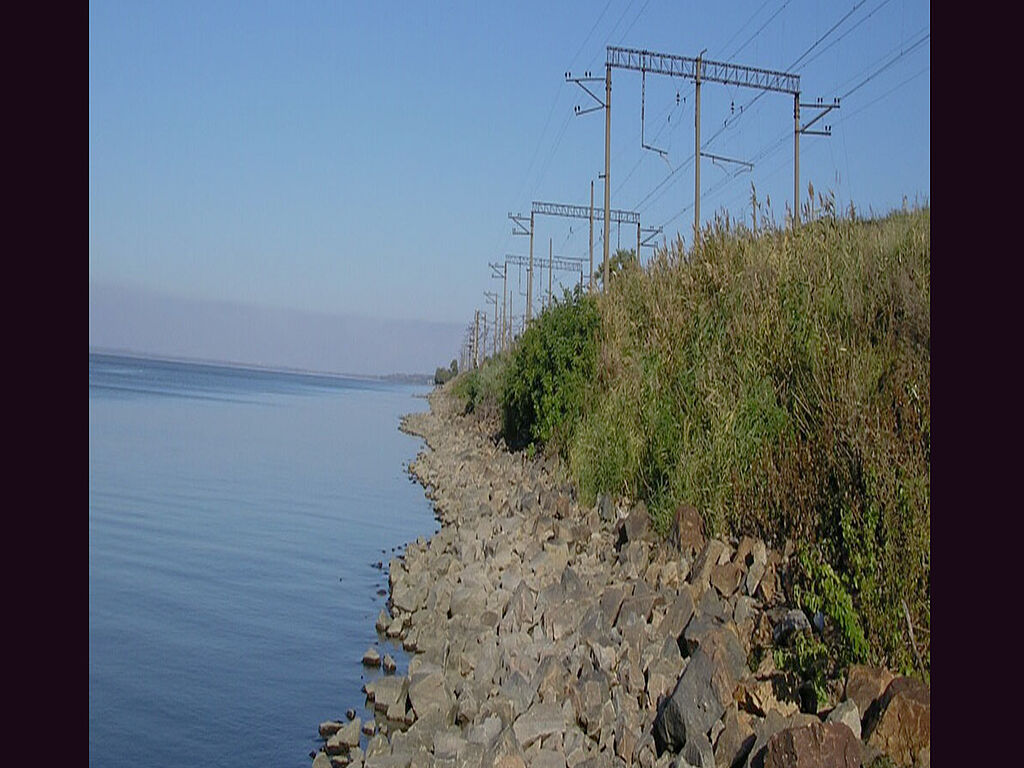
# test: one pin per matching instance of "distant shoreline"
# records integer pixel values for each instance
(410, 378)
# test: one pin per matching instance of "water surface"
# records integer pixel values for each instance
(236, 519)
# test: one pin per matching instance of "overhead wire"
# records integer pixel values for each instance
(773, 148)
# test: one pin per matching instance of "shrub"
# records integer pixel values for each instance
(550, 372)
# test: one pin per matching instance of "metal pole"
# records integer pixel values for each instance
(796, 161)
(696, 157)
(638, 243)
(495, 350)
(476, 338)
(549, 272)
(591, 237)
(529, 279)
(607, 162)
(504, 293)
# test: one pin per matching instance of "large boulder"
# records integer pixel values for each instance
(815, 745)
(703, 691)
(865, 684)
(899, 723)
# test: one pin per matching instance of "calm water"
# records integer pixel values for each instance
(235, 519)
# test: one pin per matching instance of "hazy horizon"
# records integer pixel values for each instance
(133, 320)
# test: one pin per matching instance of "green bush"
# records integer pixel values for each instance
(781, 384)
(480, 388)
(550, 372)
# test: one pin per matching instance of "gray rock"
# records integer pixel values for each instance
(448, 744)
(792, 622)
(427, 693)
(345, 738)
(846, 712)
(635, 610)
(678, 615)
(321, 760)
(385, 691)
(697, 751)
(485, 733)
(539, 720)
(703, 690)
(329, 728)
(389, 664)
(605, 509)
(758, 561)
(371, 658)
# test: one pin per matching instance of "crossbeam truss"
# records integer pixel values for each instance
(713, 71)
(561, 263)
(583, 212)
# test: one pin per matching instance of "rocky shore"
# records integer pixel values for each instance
(550, 635)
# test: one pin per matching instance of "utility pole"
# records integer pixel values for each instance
(696, 154)
(519, 228)
(529, 279)
(591, 236)
(824, 109)
(500, 270)
(476, 338)
(549, 273)
(607, 161)
(494, 297)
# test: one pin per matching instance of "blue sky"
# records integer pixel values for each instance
(361, 158)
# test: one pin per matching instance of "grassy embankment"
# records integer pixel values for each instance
(779, 383)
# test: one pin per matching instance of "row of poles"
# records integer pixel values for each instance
(698, 70)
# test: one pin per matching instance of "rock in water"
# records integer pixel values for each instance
(389, 664)
(371, 658)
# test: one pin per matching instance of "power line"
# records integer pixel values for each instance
(888, 64)
(773, 148)
(745, 108)
(760, 29)
(635, 20)
(744, 25)
(847, 32)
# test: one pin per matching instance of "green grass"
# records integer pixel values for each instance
(780, 383)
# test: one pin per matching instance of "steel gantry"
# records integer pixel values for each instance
(698, 69)
(644, 237)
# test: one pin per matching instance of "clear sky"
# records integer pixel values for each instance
(361, 158)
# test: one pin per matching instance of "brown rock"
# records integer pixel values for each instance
(865, 684)
(816, 745)
(899, 723)
(687, 531)
(678, 615)
(726, 578)
(736, 738)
